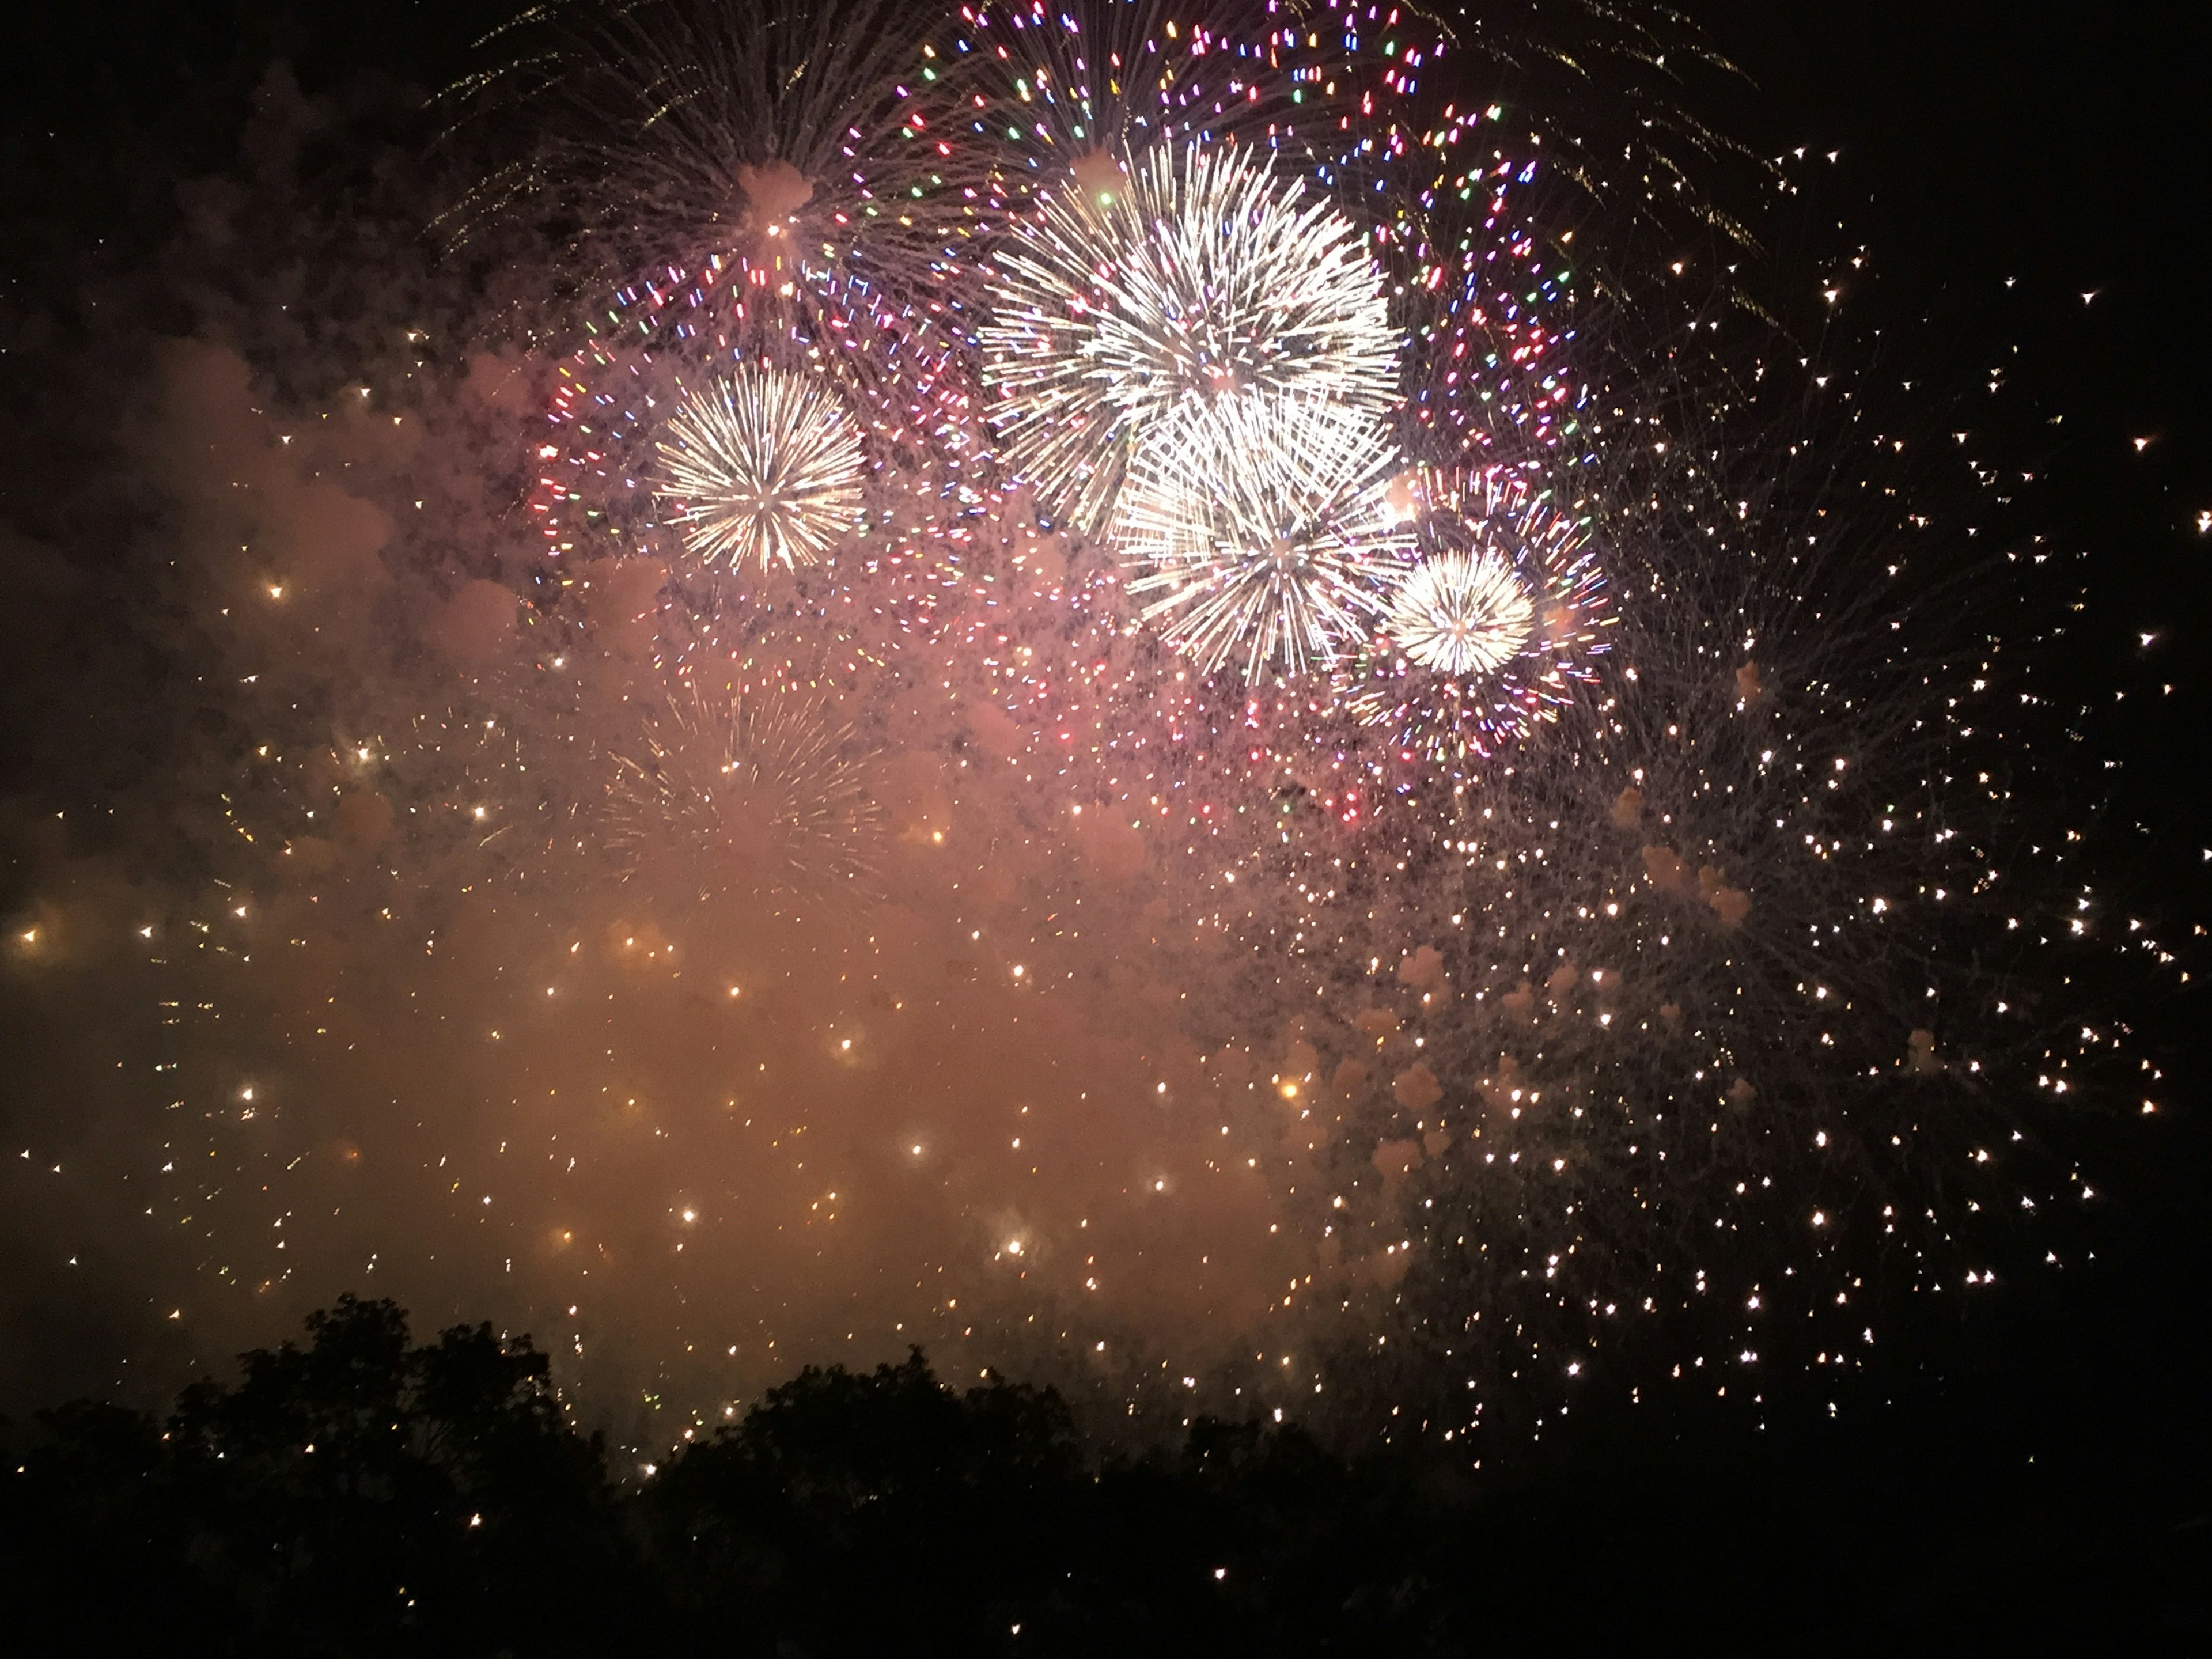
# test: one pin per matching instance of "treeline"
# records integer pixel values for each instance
(365, 1494)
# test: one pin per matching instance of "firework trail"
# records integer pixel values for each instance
(772, 141)
(1629, 1035)
(1608, 93)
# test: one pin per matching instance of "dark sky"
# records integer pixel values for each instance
(1997, 162)
(2054, 143)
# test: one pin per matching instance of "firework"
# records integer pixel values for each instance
(1723, 948)
(775, 134)
(882, 369)
(1262, 531)
(762, 469)
(1046, 89)
(1492, 308)
(1491, 631)
(754, 788)
(1694, 967)
(1462, 613)
(1206, 274)
(1599, 88)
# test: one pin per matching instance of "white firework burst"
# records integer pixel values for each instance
(764, 468)
(1262, 531)
(1488, 635)
(1465, 612)
(1139, 294)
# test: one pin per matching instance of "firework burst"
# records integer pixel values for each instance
(1462, 613)
(763, 469)
(1508, 1041)
(1263, 534)
(775, 134)
(1206, 274)
(754, 789)
(1491, 631)
(879, 371)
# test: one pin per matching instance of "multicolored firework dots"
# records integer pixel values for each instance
(1492, 330)
(1310, 824)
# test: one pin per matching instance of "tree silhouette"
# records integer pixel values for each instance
(360, 1494)
(950, 1508)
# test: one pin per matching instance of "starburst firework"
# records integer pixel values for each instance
(1206, 273)
(1462, 613)
(775, 134)
(754, 788)
(1566, 1006)
(763, 468)
(1491, 631)
(1263, 531)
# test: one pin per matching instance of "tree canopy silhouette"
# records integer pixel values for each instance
(361, 1493)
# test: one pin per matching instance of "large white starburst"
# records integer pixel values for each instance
(1261, 533)
(1140, 294)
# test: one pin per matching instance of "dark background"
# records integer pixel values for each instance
(2054, 1445)
(2041, 1462)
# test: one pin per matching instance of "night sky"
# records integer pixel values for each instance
(338, 957)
